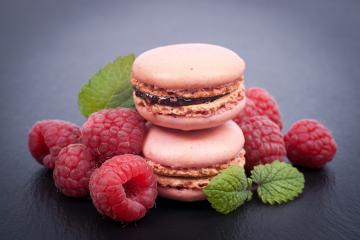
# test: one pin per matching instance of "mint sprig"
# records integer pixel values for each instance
(276, 183)
(110, 87)
(228, 190)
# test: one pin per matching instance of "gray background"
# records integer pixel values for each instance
(306, 53)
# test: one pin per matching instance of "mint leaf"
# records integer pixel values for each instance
(110, 87)
(278, 182)
(228, 190)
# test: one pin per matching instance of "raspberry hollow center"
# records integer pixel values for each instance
(130, 188)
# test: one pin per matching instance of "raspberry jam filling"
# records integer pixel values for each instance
(174, 101)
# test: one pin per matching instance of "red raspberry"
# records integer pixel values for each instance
(250, 110)
(112, 132)
(264, 142)
(46, 139)
(123, 188)
(266, 104)
(309, 144)
(72, 170)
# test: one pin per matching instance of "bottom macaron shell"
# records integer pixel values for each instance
(191, 123)
(185, 195)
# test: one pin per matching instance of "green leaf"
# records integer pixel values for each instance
(278, 182)
(228, 190)
(110, 87)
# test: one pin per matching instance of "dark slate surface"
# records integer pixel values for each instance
(306, 53)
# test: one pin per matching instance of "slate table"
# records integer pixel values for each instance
(306, 53)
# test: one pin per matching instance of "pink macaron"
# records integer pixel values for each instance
(184, 162)
(188, 86)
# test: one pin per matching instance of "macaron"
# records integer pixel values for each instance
(188, 86)
(185, 161)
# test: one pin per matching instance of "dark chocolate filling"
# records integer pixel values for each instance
(174, 101)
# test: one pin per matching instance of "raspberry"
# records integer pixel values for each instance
(266, 104)
(72, 170)
(112, 132)
(309, 144)
(264, 142)
(123, 188)
(46, 138)
(250, 110)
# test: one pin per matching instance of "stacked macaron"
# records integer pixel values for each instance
(189, 93)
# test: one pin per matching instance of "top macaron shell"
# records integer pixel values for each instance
(195, 149)
(188, 66)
